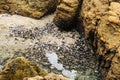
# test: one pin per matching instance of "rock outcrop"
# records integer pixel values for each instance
(30, 8)
(66, 13)
(102, 24)
(19, 68)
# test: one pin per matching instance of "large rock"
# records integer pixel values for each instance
(66, 13)
(102, 23)
(19, 68)
(112, 40)
(31, 8)
(91, 13)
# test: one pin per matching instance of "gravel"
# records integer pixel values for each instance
(73, 50)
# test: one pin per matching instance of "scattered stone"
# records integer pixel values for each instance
(31, 38)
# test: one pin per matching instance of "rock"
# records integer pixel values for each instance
(65, 13)
(91, 13)
(52, 76)
(30, 8)
(34, 78)
(19, 68)
(113, 41)
(102, 24)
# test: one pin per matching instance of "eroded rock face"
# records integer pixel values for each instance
(102, 23)
(30, 8)
(19, 68)
(113, 40)
(91, 13)
(66, 13)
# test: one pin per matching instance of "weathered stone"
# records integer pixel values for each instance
(34, 78)
(31, 8)
(19, 68)
(65, 13)
(102, 19)
(91, 13)
(50, 76)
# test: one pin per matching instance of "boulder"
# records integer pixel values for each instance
(101, 21)
(30, 8)
(19, 68)
(66, 13)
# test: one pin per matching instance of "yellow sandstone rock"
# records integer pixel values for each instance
(19, 68)
(102, 24)
(30, 8)
(50, 76)
(65, 13)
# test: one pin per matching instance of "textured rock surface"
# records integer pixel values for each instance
(34, 78)
(65, 13)
(112, 40)
(91, 13)
(31, 8)
(19, 68)
(102, 23)
(50, 76)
